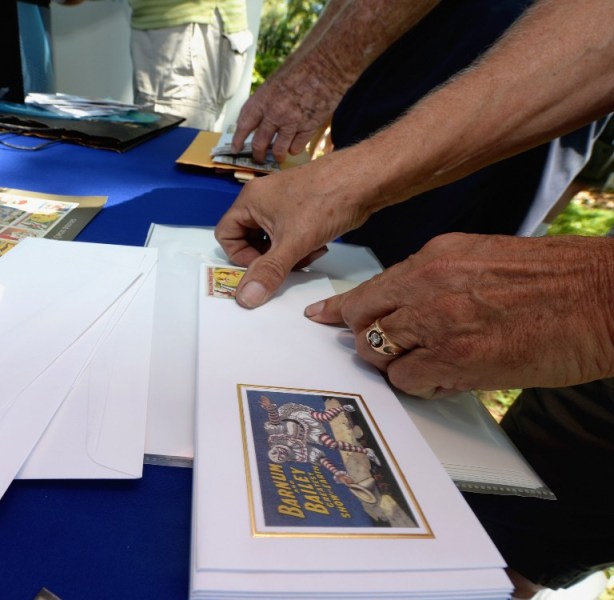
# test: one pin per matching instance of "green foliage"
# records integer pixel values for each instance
(498, 401)
(608, 593)
(577, 219)
(283, 25)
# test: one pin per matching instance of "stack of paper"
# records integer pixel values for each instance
(472, 447)
(211, 151)
(76, 322)
(181, 251)
(310, 480)
(79, 107)
(222, 154)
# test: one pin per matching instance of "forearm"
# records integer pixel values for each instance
(351, 34)
(327, 16)
(600, 305)
(550, 74)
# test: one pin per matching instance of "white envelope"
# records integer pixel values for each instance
(182, 250)
(280, 349)
(78, 374)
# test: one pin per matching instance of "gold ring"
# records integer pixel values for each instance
(379, 341)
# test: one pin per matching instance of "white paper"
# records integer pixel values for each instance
(275, 345)
(482, 454)
(99, 431)
(173, 375)
(487, 460)
(62, 304)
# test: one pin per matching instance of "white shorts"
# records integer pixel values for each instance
(190, 70)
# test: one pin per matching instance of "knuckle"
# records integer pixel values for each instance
(395, 376)
(344, 307)
(273, 269)
(443, 243)
(259, 145)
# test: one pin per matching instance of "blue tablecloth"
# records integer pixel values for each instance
(108, 540)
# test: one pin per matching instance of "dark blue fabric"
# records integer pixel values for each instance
(102, 540)
(494, 200)
(143, 185)
(98, 540)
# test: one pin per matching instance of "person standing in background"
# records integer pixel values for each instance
(188, 56)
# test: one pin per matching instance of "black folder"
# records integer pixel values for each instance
(95, 133)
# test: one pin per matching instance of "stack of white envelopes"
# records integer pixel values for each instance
(76, 324)
(474, 450)
(310, 479)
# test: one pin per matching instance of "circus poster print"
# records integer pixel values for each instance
(318, 465)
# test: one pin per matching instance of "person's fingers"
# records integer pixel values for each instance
(409, 366)
(414, 370)
(358, 307)
(300, 141)
(282, 143)
(420, 373)
(263, 136)
(241, 238)
(247, 122)
(242, 253)
(385, 340)
(267, 272)
(263, 277)
(311, 257)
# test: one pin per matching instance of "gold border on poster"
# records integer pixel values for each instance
(427, 534)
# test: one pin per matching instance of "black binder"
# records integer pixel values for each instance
(106, 134)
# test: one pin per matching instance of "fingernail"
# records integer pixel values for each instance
(319, 253)
(252, 294)
(314, 309)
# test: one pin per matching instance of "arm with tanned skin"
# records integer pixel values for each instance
(548, 75)
(302, 95)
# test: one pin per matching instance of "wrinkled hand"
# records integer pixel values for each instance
(293, 104)
(488, 312)
(284, 221)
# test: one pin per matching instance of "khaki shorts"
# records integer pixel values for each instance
(190, 71)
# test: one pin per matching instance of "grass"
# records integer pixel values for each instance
(608, 593)
(588, 213)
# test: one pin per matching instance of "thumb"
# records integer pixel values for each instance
(262, 279)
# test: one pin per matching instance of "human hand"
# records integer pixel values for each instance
(488, 312)
(289, 107)
(299, 210)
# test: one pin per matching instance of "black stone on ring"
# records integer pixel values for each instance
(378, 340)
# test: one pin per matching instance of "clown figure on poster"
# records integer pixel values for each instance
(296, 433)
